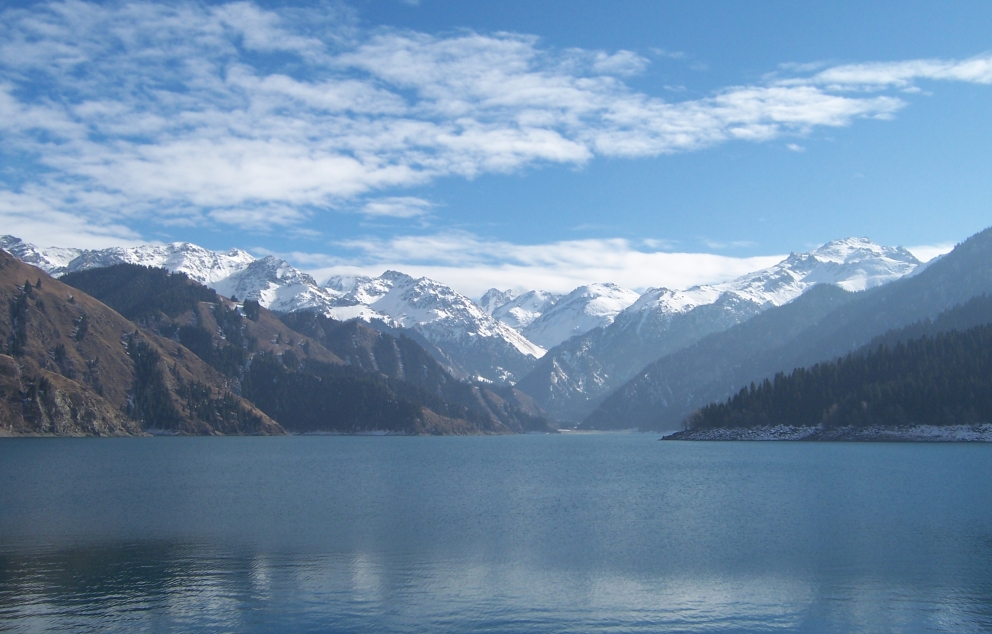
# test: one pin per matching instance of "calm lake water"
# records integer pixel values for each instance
(571, 533)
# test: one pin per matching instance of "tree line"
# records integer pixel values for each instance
(940, 379)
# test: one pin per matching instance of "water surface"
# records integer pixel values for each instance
(611, 532)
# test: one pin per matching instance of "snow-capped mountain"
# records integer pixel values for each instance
(274, 283)
(854, 264)
(472, 340)
(820, 325)
(51, 260)
(463, 335)
(521, 311)
(603, 334)
(202, 265)
(278, 286)
(573, 377)
(494, 298)
(585, 308)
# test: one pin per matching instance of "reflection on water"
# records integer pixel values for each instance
(156, 587)
(607, 533)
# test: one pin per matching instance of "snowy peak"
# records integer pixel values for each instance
(478, 344)
(858, 249)
(466, 336)
(425, 304)
(495, 298)
(521, 311)
(344, 283)
(570, 379)
(368, 290)
(270, 281)
(51, 260)
(274, 283)
(854, 264)
(857, 264)
(199, 264)
(277, 285)
(585, 308)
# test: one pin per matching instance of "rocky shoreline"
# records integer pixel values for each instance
(909, 433)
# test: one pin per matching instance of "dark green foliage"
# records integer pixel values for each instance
(414, 373)
(151, 402)
(940, 380)
(252, 309)
(19, 320)
(153, 405)
(326, 398)
(36, 399)
(227, 359)
(975, 312)
(59, 355)
(224, 413)
(82, 325)
(230, 323)
(140, 292)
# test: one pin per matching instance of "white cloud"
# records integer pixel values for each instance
(234, 114)
(660, 52)
(397, 207)
(976, 70)
(927, 252)
(472, 265)
(33, 220)
(735, 244)
(620, 63)
(221, 114)
(795, 147)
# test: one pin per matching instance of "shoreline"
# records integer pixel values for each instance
(873, 433)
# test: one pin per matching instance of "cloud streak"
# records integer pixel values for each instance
(472, 265)
(235, 115)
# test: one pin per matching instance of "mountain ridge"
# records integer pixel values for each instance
(601, 334)
(572, 379)
(73, 366)
(667, 390)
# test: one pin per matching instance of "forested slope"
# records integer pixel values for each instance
(944, 379)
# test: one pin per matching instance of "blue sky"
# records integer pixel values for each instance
(510, 144)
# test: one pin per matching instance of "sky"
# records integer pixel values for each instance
(509, 144)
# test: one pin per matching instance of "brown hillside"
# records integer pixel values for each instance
(73, 366)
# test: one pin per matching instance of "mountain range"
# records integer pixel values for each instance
(580, 356)
(571, 380)
(825, 323)
(128, 349)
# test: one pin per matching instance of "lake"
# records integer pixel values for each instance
(563, 533)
